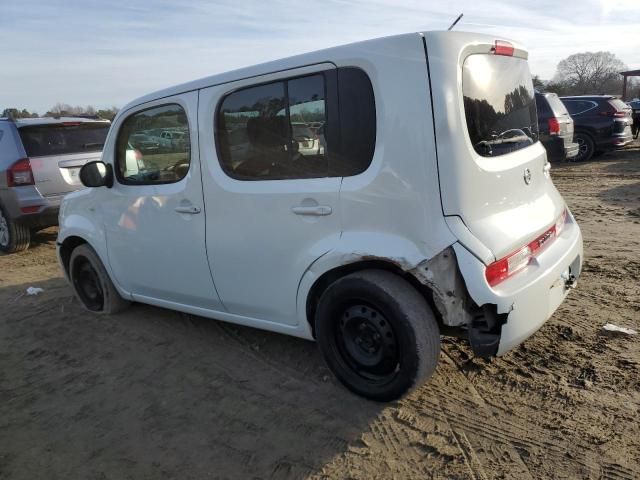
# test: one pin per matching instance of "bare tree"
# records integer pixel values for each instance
(591, 73)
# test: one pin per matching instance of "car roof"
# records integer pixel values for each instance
(309, 58)
(588, 97)
(28, 122)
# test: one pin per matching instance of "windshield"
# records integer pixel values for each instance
(499, 104)
(61, 139)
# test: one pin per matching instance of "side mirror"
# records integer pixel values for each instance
(96, 174)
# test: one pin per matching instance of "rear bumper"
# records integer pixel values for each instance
(622, 140)
(531, 296)
(617, 140)
(27, 206)
(560, 148)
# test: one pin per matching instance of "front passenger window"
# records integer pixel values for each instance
(153, 147)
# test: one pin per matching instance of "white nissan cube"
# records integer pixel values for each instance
(429, 211)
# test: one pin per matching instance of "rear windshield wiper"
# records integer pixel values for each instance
(90, 145)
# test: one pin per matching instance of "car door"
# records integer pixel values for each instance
(272, 208)
(154, 215)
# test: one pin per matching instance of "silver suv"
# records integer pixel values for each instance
(39, 163)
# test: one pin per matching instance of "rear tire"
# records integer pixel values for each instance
(14, 237)
(377, 334)
(91, 283)
(586, 147)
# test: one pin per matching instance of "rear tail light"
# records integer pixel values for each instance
(503, 48)
(554, 126)
(518, 260)
(614, 113)
(20, 174)
(32, 209)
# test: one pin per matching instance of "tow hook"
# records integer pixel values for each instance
(570, 280)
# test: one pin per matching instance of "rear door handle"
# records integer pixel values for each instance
(191, 209)
(314, 211)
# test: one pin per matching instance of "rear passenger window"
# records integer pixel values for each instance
(355, 147)
(274, 131)
(576, 107)
(314, 126)
(154, 147)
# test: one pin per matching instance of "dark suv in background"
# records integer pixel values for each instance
(555, 128)
(601, 122)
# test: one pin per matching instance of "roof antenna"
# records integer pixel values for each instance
(456, 21)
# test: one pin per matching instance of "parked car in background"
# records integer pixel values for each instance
(555, 127)
(39, 163)
(417, 218)
(601, 123)
(635, 115)
(308, 141)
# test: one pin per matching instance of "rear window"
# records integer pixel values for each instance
(499, 104)
(60, 139)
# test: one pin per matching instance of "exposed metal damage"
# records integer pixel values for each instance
(481, 324)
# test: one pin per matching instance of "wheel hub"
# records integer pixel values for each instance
(88, 285)
(368, 341)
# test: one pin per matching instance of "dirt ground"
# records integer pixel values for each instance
(158, 394)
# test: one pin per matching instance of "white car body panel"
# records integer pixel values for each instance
(247, 259)
(258, 248)
(153, 250)
(489, 194)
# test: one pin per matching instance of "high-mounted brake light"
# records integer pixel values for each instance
(71, 124)
(516, 261)
(20, 174)
(503, 48)
(554, 126)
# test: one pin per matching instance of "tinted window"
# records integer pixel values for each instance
(307, 127)
(62, 139)
(145, 155)
(352, 152)
(499, 104)
(274, 131)
(576, 107)
(544, 110)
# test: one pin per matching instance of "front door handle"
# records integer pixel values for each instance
(190, 209)
(314, 211)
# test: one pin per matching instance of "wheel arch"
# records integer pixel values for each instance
(66, 248)
(331, 276)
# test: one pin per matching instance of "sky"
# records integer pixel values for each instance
(107, 52)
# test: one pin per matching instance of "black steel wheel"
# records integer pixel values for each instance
(367, 342)
(87, 284)
(377, 334)
(92, 284)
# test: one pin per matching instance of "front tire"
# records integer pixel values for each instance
(91, 283)
(14, 237)
(586, 147)
(377, 334)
